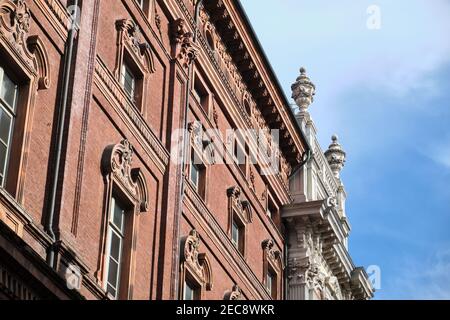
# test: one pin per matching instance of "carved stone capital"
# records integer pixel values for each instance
(185, 51)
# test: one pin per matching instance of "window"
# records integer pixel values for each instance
(201, 94)
(128, 81)
(8, 101)
(116, 236)
(140, 3)
(272, 210)
(191, 292)
(240, 156)
(144, 5)
(197, 174)
(126, 197)
(271, 282)
(273, 268)
(237, 235)
(134, 62)
(196, 272)
(239, 215)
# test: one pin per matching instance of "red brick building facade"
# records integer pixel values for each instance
(91, 104)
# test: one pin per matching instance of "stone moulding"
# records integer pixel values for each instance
(117, 161)
(15, 19)
(58, 16)
(196, 263)
(229, 250)
(109, 86)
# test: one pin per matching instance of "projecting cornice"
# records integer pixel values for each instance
(320, 220)
(256, 81)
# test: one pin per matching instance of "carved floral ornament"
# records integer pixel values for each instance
(272, 255)
(130, 36)
(15, 19)
(197, 263)
(186, 53)
(239, 206)
(117, 165)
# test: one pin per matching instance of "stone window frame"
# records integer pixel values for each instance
(204, 101)
(147, 7)
(195, 267)
(136, 53)
(130, 187)
(26, 59)
(197, 151)
(272, 262)
(240, 211)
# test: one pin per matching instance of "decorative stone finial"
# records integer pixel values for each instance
(303, 91)
(335, 156)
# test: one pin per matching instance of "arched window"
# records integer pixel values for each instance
(125, 198)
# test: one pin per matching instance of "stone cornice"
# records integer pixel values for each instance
(264, 73)
(57, 15)
(324, 221)
(237, 88)
(361, 286)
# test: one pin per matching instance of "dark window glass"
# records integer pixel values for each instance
(8, 101)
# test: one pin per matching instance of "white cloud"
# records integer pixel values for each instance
(440, 153)
(428, 279)
(344, 57)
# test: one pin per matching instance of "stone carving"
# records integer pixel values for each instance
(21, 21)
(117, 163)
(234, 294)
(303, 91)
(186, 53)
(131, 37)
(15, 19)
(36, 47)
(197, 263)
(272, 255)
(241, 207)
(191, 252)
(335, 157)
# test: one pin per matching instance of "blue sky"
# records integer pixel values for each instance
(386, 93)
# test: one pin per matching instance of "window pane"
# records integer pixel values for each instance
(3, 152)
(5, 125)
(8, 91)
(188, 292)
(116, 244)
(111, 290)
(113, 273)
(269, 282)
(117, 215)
(128, 81)
(235, 234)
(194, 175)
